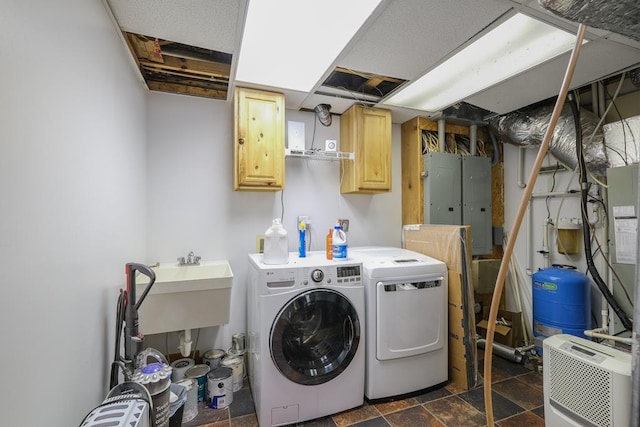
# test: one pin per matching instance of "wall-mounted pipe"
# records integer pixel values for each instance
(592, 334)
(473, 138)
(521, 183)
(441, 135)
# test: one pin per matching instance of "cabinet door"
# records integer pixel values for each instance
(259, 140)
(367, 133)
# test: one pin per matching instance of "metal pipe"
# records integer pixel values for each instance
(473, 138)
(441, 135)
(521, 183)
(503, 351)
(555, 194)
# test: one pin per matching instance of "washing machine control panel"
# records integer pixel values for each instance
(333, 275)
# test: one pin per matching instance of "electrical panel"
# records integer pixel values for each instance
(623, 223)
(457, 191)
(476, 202)
(442, 189)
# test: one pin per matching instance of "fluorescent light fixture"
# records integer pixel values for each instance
(290, 44)
(514, 46)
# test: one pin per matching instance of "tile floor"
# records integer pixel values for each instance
(517, 401)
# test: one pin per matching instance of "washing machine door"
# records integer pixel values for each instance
(315, 336)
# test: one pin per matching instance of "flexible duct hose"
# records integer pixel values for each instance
(504, 265)
(584, 185)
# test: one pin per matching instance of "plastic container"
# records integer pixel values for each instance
(339, 243)
(329, 248)
(276, 244)
(302, 242)
(561, 303)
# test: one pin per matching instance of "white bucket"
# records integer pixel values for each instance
(180, 366)
(237, 366)
(220, 387)
(191, 405)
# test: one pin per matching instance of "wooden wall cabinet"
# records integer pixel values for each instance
(258, 140)
(366, 132)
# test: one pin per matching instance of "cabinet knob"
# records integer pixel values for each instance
(241, 141)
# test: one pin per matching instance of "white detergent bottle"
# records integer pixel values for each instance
(276, 244)
(339, 243)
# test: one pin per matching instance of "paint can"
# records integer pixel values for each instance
(191, 405)
(237, 366)
(199, 373)
(238, 342)
(179, 367)
(213, 358)
(220, 387)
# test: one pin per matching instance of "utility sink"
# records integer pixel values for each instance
(185, 297)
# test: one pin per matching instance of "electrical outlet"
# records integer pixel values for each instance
(344, 223)
(306, 219)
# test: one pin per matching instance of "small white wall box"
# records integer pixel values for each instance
(330, 145)
(295, 135)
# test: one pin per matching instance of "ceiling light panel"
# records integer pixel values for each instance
(290, 44)
(516, 45)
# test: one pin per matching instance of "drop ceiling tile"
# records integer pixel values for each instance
(411, 36)
(212, 24)
(598, 59)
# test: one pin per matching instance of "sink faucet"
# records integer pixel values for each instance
(191, 259)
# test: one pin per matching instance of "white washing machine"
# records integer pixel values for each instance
(406, 317)
(306, 341)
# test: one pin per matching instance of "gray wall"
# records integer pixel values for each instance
(72, 204)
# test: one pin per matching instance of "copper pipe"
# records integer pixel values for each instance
(504, 265)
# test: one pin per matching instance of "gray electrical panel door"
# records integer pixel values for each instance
(442, 189)
(476, 202)
(622, 214)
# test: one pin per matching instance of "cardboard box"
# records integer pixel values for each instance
(508, 335)
(484, 273)
(451, 244)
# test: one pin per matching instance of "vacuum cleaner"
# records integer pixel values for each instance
(127, 319)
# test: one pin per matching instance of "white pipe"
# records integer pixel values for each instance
(545, 243)
(441, 135)
(592, 334)
(473, 137)
(185, 343)
(521, 183)
(555, 194)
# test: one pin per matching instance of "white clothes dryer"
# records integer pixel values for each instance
(305, 337)
(406, 317)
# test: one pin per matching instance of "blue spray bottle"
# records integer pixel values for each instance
(302, 247)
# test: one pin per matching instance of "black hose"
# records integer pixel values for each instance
(584, 186)
(113, 379)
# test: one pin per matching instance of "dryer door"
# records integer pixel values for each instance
(315, 336)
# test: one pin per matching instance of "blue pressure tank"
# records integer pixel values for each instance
(561, 303)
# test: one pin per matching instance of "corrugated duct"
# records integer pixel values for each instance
(619, 16)
(526, 128)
